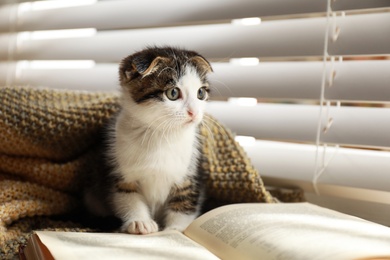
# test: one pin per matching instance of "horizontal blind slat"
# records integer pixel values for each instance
(358, 126)
(297, 37)
(358, 4)
(355, 81)
(350, 125)
(361, 34)
(269, 80)
(299, 161)
(130, 15)
(361, 80)
(302, 80)
(347, 167)
(99, 78)
(268, 121)
(214, 41)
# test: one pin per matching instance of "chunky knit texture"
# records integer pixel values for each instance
(49, 139)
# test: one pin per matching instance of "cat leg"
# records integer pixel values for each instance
(134, 212)
(183, 205)
(179, 221)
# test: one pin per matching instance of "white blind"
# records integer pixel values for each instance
(304, 84)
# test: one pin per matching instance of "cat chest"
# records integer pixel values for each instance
(168, 157)
(156, 166)
(168, 169)
(159, 167)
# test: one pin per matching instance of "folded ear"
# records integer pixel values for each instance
(146, 68)
(139, 65)
(202, 63)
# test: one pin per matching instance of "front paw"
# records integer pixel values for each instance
(140, 227)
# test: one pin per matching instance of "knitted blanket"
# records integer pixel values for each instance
(49, 139)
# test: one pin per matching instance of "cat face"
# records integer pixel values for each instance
(165, 88)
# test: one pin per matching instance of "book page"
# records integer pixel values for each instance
(288, 231)
(161, 245)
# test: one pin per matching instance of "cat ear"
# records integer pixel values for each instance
(145, 69)
(139, 65)
(202, 63)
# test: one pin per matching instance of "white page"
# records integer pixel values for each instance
(288, 231)
(161, 245)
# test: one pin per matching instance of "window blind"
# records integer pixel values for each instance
(304, 84)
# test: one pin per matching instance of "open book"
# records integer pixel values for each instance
(240, 231)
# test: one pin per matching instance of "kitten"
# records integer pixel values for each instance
(155, 143)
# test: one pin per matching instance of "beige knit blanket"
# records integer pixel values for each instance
(49, 139)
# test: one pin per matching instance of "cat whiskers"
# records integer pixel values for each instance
(210, 140)
(166, 128)
(225, 86)
(148, 129)
(169, 124)
(148, 137)
(207, 128)
(221, 129)
(218, 124)
(157, 128)
(145, 134)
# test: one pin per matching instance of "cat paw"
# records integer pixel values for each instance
(140, 227)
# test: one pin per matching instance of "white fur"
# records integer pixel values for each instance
(154, 143)
(178, 221)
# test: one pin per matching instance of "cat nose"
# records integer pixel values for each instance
(191, 113)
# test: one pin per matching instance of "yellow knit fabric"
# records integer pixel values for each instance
(48, 140)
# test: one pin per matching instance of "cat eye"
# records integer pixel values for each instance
(202, 93)
(173, 94)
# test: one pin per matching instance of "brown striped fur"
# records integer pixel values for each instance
(184, 198)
